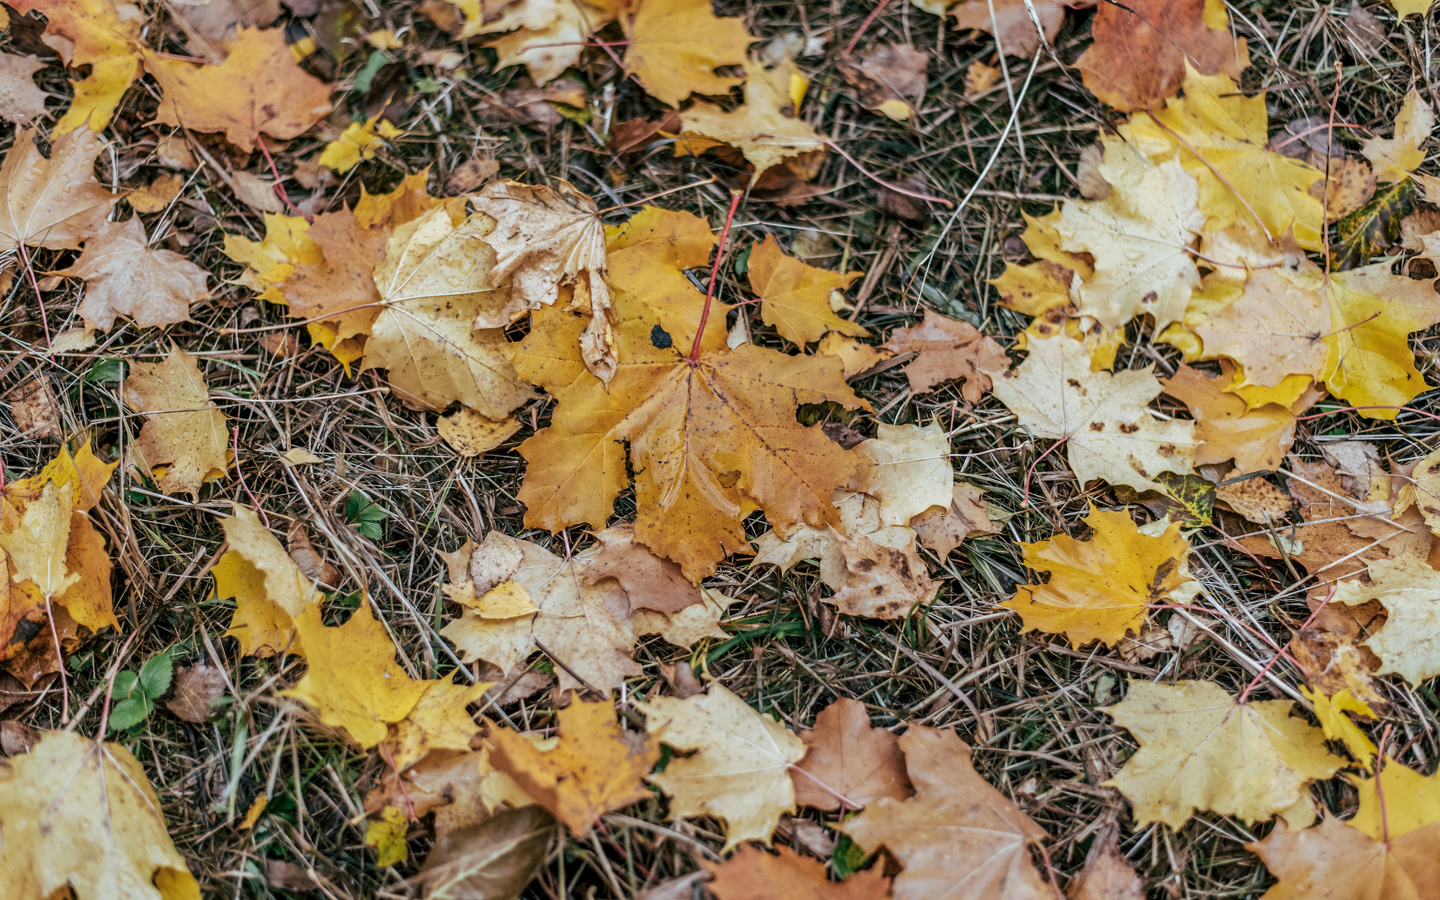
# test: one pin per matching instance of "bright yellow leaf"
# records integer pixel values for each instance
(1340, 727)
(359, 141)
(794, 297)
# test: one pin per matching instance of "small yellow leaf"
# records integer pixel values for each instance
(794, 297)
(359, 141)
(1338, 726)
(470, 434)
(386, 834)
(37, 543)
(1411, 801)
(439, 721)
(185, 432)
(252, 815)
(1394, 158)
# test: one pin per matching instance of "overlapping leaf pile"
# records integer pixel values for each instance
(1196, 231)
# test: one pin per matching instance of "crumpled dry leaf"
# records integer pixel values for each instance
(470, 434)
(689, 625)
(739, 770)
(759, 128)
(53, 202)
(269, 589)
(1102, 588)
(1109, 433)
(596, 765)
(883, 576)
(32, 405)
(944, 530)
(494, 858)
(948, 350)
(196, 689)
(185, 432)
(586, 627)
(675, 49)
(125, 276)
(889, 77)
(352, 679)
(1107, 875)
(907, 468)
(78, 814)
(957, 836)
(1409, 589)
(1201, 749)
(545, 237)
(259, 88)
(651, 582)
(847, 757)
(548, 49)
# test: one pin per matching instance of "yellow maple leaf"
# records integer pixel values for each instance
(352, 679)
(1100, 589)
(258, 88)
(760, 128)
(907, 468)
(1101, 416)
(269, 262)
(269, 589)
(36, 542)
(100, 34)
(676, 46)
(703, 436)
(84, 470)
(185, 441)
(739, 771)
(439, 721)
(1394, 158)
(359, 141)
(1411, 801)
(1331, 710)
(81, 816)
(1201, 749)
(1220, 136)
(596, 765)
(794, 297)
(648, 256)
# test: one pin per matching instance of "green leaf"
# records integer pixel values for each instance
(848, 857)
(128, 713)
(370, 530)
(155, 675)
(105, 370)
(372, 67)
(124, 685)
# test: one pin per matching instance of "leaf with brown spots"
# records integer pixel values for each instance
(947, 350)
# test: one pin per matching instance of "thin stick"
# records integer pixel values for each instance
(885, 184)
(714, 276)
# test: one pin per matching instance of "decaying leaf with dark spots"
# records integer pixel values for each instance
(885, 578)
(1375, 227)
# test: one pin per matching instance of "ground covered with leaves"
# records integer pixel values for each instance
(663, 450)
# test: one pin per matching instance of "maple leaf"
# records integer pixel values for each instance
(53, 202)
(650, 581)
(196, 689)
(1338, 726)
(184, 442)
(124, 276)
(1009, 21)
(438, 722)
(1102, 418)
(352, 678)
(496, 857)
(907, 468)
(1100, 589)
(753, 874)
(676, 46)
(337, 293)
(1333, 663)
(100, 34)
(269, 589)
(1201, 749)
(759, 128)
(703, 437)
(846, 758)
(36, 541)
(259, 88)
(1256, 439)
(547, 49)
(944, 530)
(1140, 239)
(1394, 158)
(794, 297)
(739, 771)
(545, 237)
(946, 350)
(648, 258)
(883, 576)
(1140, 52)
(269, 262)
(1409, 589)
(433, 281)
(1272, 330)
(359, 141)
(1224, 136)
(957, 836)
(1335, 860)
(1410, 803)
(81, 815)
(595, 767)
(20, 99)
(585, 626)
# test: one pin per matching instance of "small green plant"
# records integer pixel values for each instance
(365, 516)
(133, 696)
